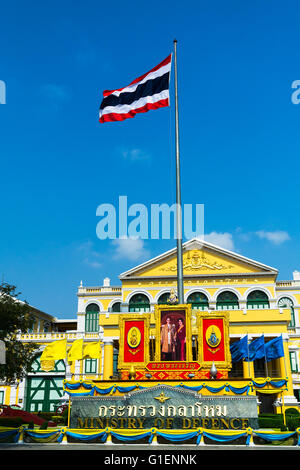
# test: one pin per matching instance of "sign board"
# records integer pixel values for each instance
(190, 366)
(164, 407)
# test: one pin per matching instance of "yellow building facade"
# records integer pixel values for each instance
(215, 280)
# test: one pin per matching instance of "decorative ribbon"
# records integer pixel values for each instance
(276, 384)
(274, 436)
(70, 387)
(176, 436)
(128, 435)
(224, 437)
(46, 435)
(130, 438)
(87, 435)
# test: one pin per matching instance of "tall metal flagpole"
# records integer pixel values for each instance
(180, 291)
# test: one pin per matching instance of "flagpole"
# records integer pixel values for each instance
(284, 357)
(67, 370)
(266, 364)
(180, 291)
(248, 355)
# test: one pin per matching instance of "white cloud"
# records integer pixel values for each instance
(92, 264)
(277, 237)
(223, 240)
(90, 256)
(130, 248)
(135, 155)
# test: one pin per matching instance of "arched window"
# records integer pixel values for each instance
(116, 307)
(198, 300)
(92, 318)
(227, 300)
(257, 299)
(286, 302)
(163, 299)
(139, 303)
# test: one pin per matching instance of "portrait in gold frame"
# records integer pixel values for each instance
(176, 312)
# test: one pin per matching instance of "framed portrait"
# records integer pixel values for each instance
(173, 333)
(134, 340)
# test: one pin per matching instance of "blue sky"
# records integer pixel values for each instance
(239, 135)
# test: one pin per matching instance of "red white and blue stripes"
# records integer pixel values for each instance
(150, 91)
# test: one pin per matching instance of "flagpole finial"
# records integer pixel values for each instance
(175, 40)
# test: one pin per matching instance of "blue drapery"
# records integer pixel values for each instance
(125, 438)
(273, 437)
(44, 435)
(240, 390)
(278, 383)
(103, 391)
(224, 437)
(196, 388)
(227, 387)
(274, 383)
(88, 437)
(77, 385)
(177, 437)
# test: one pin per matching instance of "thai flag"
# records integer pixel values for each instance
(150, 91)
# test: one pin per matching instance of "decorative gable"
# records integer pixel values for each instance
(199, 259)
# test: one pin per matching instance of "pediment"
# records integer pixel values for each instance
(199, 259)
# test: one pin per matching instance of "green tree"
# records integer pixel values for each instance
(15, 319)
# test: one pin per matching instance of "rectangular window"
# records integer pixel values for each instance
(92, 322)
(90, 366)
(115, 361)
(1, 397)
(133, 308)
(292, 323)
(294, 362)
